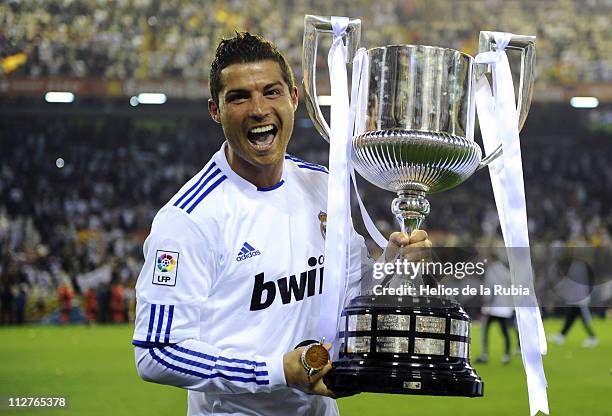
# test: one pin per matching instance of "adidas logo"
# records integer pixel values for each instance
(247, 252)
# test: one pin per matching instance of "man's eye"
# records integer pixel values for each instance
(237, 98)
(274, 91)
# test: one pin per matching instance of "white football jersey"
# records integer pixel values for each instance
(232, 280)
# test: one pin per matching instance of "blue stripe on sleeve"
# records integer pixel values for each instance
(160, 322)
(212, 165)
(203, 375)
(295, 158)
(151, 320)
(209, 190)
(190, 362)
(303, 164)
(318, 169)
(169, 323)
(212, 358)
(208, 179)
(212, 367)
(143, 344)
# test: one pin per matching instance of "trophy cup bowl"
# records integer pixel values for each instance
(414, 138)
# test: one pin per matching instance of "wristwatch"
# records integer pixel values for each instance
(314, 358)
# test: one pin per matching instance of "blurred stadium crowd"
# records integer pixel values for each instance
(75, 226)
(90, 215)
(152, 39)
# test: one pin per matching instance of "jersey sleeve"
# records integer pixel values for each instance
(198, 366)
(360, 266)
(175, 281)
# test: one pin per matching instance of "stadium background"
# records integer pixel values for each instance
(81, 181)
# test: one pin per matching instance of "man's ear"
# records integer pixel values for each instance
(213, 109)
(294, 97)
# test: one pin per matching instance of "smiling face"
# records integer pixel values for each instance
(256, 110)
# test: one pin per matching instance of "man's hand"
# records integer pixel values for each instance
(297, 376)
(412, 247)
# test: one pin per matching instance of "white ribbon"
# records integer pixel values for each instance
(499, 123)
(345, 122)
(338, 192)
(359, 90)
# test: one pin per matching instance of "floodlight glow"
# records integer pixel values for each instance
(584, 102)
(151, 98)
(59, 97)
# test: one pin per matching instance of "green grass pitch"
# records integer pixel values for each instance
(94, 368)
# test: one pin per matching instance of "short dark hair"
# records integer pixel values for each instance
(244, 48)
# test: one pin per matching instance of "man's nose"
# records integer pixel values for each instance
(260, 108)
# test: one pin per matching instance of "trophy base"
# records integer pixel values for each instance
(404, 345)
(363, 376)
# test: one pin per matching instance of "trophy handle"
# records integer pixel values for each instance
(313, 25)
(525, 44)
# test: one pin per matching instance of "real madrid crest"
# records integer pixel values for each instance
(323, 220)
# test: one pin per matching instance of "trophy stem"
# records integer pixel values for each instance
(410, 208)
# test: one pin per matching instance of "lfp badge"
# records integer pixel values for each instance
(166, 265)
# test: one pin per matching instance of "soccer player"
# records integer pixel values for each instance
(497, 309)
(233, 272)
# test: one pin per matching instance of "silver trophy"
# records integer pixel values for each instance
(416, 138)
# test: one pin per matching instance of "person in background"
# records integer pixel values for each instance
(499, 308)
(21, 301)
(117, 301)
(575, 288)
(91, 305)
(65, 295)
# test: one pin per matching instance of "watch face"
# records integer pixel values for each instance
(316, 356)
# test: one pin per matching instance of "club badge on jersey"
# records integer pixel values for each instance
(165, 268)
(323, 220)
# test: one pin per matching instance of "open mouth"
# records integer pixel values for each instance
(262, 137)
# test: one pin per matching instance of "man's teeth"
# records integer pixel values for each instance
(262, 129)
